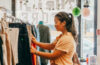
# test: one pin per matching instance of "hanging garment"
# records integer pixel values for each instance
(44, 33)
(44, 37)
(4, 25)
(34, 32)
(13, 39)
(4, 48)
(1, 52)
(29, 33)
(6, 45)
(38, 39)
(8, 48)
(0, 27)
(34, 57)
(24, 56)
(31, 44)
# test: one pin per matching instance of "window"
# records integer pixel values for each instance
(87, 31)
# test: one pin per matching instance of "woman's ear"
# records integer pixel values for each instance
(64, 23)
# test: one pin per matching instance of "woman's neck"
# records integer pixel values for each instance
(64, 32)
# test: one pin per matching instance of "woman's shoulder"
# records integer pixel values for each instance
(66, 38)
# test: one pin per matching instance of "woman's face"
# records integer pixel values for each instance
(60, 26)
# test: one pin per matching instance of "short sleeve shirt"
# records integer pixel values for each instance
(67, 44)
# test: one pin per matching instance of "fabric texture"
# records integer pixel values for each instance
(34, 31)
(67, 44)
(8, 48)
(31, 44)
(34, 57)
(6, 45)
(44, 33)
(29, 33)
(44, 37)
(4, 49)
(24, 55)
(1, 52)
(13, 38)
(38, 39)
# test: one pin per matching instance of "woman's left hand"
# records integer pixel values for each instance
(33, 50)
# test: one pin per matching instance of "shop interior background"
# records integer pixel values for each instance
(33, 11)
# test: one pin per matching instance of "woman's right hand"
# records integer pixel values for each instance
(34, 39)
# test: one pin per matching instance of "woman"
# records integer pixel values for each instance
(64, 46)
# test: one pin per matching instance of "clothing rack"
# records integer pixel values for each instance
(5, 10)
(23, 43)
(10, 17)
(14, 19)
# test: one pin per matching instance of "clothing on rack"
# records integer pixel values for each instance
(44, 37)
(38, 39)
(13, 39)
(6, 45)
(8, 51)
(24, 56)
(7, 54)
(31, 44)
(44, 33)
(33, 29)
(34, 59)
(4, 48)
(1, 51)
(29, 33)
(33, 56)
(0, 62)
(16, 43)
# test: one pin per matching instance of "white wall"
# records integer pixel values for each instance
(6, 4)
(98, 37)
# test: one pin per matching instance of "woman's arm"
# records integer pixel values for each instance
(54, 55)
(47, 46)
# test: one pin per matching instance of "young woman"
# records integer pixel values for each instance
(64, 45)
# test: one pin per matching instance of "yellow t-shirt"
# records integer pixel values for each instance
(67, 44)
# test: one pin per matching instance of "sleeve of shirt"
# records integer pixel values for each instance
(55, 41)
(64, 45)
